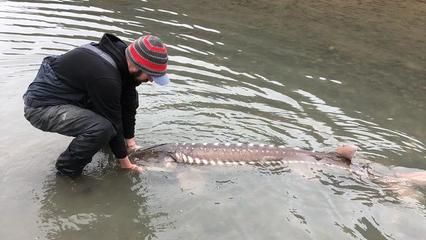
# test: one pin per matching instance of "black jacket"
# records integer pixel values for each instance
(83, 78)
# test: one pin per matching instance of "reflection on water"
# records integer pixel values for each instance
(231, 203)
(71, 208)
(309, 75)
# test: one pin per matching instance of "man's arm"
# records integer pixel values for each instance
(129, 105)
(105, 95)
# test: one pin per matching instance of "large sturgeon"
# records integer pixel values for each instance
(241, 154)
(260, 154)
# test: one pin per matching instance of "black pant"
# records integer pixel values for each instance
(91, 132)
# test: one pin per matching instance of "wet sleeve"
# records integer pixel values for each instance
(105, 98)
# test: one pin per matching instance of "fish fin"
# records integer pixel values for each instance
(347, 151)
(416, 178)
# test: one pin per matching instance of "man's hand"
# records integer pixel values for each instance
(132, 145)
(126, 164)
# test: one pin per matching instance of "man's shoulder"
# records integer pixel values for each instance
(94, 62)
(85, 53)
(80, 54)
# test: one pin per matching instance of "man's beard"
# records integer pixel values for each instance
(135, 80)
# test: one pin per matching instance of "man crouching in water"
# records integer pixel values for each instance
(90, 93)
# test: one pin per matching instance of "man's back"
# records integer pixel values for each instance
(68, 79)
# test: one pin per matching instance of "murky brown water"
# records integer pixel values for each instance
(303, 74)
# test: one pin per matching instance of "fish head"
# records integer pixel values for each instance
(157, 153)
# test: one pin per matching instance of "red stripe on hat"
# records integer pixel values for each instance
(152, 47)
(145, 62)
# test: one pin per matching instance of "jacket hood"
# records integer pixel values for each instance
(115, 47)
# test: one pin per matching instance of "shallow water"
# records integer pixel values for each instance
(308, 75)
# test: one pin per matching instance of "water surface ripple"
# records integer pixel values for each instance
(236, 76)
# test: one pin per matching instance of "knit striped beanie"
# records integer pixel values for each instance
(149, 54)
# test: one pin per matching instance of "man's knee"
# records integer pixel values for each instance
(105, 130)
(36, 116)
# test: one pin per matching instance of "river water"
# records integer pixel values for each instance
(298, 73)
